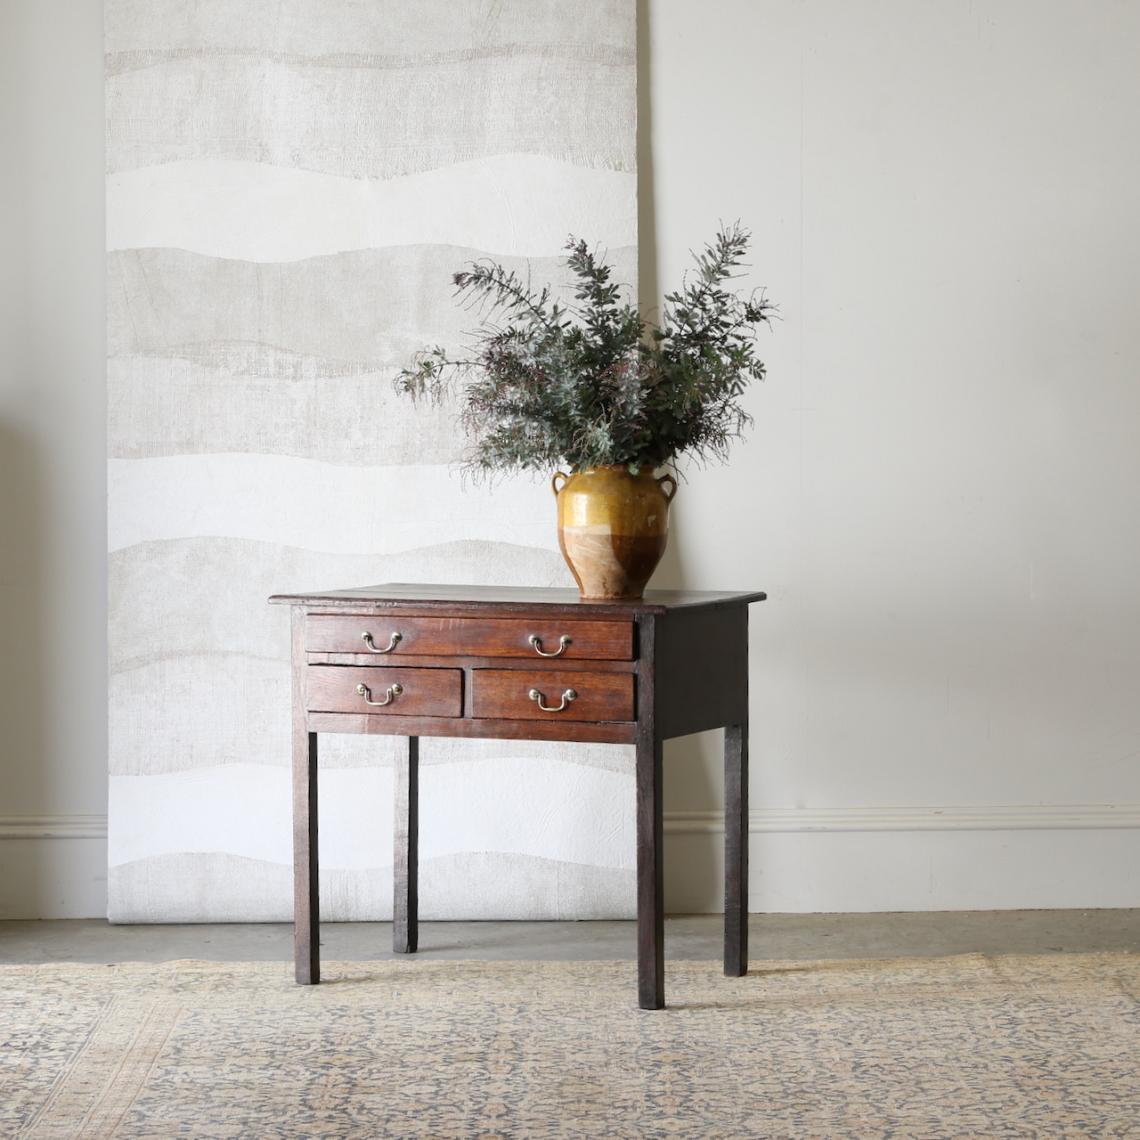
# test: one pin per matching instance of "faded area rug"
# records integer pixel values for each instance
(966, 1046)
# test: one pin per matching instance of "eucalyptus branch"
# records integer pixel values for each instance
(592, 382)
(503, 289)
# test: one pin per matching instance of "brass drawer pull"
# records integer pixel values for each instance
(392, 691)
(371, 645)
(536, 641)
(568, 696)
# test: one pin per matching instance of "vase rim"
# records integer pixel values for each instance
(642, 468)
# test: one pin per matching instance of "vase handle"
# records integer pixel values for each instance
(554, 481)
(661, 480)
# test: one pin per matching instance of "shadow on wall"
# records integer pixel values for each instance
(688, 760)
(24, 684)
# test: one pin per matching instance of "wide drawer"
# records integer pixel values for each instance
(386, 691)
(551, 694)
(390, 635)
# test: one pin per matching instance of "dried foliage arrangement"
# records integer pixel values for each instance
(590, 382)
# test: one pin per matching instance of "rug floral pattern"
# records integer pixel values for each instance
(970, 1046)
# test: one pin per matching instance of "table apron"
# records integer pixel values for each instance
(582, 732)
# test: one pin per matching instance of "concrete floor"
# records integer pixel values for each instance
(772, 936)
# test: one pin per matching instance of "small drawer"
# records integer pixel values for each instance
(551, 694)
(390, 635)
(384, 691)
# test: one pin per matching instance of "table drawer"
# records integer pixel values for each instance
(510, 694)
(390, 635)
(395, 692)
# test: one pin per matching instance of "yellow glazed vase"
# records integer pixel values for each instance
(612, 527)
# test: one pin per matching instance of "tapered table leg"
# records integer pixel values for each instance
(736, 850)
(650, 845)
(306, 904)
(405, 875)
(650, 879)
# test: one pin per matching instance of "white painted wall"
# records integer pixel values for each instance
(53, 678)
(940, 494)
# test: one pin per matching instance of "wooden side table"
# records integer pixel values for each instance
(527, 664)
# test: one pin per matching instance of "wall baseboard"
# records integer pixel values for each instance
(46, 878)
(53, 827)
(999, 817)
(804, 860)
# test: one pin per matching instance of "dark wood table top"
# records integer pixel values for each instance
(504, 599)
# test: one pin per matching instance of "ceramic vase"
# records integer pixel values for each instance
(613, 523)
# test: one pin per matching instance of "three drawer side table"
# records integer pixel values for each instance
(524, 664)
